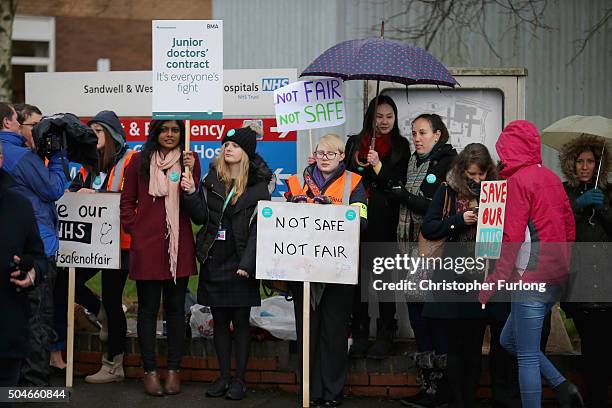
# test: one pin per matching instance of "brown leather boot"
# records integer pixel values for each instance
(152, 385)
(172, 385)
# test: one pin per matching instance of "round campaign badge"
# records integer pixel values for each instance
(231, 133)
(350, 215)
(266, 212)
(431, 178)
(174, 177)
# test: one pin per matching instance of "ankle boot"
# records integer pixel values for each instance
(172, 385)
(424, 365)
(111, 371)
(152, 385)
(568, 395)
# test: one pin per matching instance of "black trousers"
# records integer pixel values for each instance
(113, 283)
(329, 326)
(360, 322)
(596, 338)
(465, 361)
(239, 318)
(149, 293)
(9, 375)
(35, 370)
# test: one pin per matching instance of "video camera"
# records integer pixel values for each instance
(65, 132)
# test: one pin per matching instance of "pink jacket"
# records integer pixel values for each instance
(537, 200)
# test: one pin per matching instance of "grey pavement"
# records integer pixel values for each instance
(130, 393)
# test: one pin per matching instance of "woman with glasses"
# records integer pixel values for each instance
(162, 254)
(379, 166)
(226, 203)
(327, 182)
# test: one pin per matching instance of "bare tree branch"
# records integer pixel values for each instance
(591, 32)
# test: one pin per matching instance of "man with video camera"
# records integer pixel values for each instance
(42, 186)
(22, 263)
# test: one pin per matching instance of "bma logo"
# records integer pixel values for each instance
(271, 84)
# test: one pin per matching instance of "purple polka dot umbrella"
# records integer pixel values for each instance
(383, 60)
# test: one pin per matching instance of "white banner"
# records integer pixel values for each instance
(310, 104)
(89, 230)
(491, 213)
(247, 92)
(187, 69)
(307, 242)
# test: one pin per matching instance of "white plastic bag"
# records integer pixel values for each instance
(276, 316)
(201, 321)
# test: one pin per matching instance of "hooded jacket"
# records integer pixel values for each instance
(110, 121)
(535, 199)
(41, 185)
(600, 228)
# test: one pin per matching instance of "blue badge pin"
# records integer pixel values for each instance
(351, 215)
(174, 177)
(431, 178)
(266, 212)
(231, 133)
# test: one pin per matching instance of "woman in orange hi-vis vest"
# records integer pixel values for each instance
(114, 157)
(327, 182)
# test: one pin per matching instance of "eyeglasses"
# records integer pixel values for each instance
(319, 154)
(170, 130)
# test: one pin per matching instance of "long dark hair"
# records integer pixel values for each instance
(152, 144)
(368, 123)
(436, 123)
(107, 156)
(473, 153)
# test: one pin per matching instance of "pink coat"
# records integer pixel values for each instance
(144, 218)
(536, 199)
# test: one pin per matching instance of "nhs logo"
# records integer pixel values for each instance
(271, 84)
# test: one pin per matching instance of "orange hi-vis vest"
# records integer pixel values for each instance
(114, 183)
(339, 190)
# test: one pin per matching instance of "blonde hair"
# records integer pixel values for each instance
(331, 141)
(225, 175)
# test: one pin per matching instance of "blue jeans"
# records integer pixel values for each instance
(521, 337)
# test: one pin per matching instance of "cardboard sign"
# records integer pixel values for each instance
(310, 104)
(491, 213)
(187, 69)
(307, 242)
(89, 230)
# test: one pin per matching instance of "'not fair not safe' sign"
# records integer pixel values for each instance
(310, 104)
(187, 69)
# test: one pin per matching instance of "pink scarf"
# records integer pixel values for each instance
(167, 185)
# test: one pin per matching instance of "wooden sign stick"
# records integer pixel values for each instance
(70, 335)
(306, 347)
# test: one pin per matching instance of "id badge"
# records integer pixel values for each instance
(220, 235)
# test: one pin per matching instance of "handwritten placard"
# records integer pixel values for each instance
(491, 212)
(307, 242)
(89, 229)
(310, 104)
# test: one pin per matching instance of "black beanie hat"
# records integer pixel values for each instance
(244, 137)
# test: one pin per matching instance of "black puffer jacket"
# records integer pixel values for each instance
(219, 285)
(590, 277)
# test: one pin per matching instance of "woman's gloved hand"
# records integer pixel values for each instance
(593, 197)
(299, 199)
(322, 199)
(399, 193)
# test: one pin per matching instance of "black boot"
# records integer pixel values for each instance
(424, 365)
(385, 333)
(568, 396)
(361, 332)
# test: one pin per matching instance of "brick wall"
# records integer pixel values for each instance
(271, 365)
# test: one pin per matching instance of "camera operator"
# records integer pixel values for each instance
(42, 185)
(28, 116)
(20, 240)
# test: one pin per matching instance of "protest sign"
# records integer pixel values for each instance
(308, 243)
(310, 104)
(491, 212)
(187, 69)
(89, 229)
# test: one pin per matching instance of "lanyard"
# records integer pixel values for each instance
(229, 197)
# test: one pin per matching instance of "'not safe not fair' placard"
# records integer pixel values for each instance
(310, 104)
(187, 69)
(307, 242)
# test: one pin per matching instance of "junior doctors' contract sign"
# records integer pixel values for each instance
(187, 69)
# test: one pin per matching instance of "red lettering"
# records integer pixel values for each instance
(498, 219)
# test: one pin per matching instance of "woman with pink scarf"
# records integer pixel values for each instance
(162, 256)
